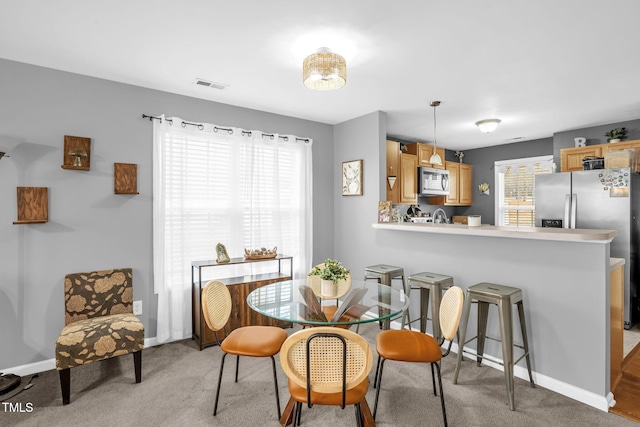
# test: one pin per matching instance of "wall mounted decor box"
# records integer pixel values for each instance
(77, 153)
(125, 178)
(33, 205)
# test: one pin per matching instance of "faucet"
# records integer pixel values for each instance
(440, 216)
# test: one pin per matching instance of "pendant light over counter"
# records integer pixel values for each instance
(435, 157)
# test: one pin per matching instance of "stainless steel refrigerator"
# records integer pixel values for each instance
(601, 199)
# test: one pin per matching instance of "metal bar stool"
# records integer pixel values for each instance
(430, 284)
(384, 274)
(503, 296)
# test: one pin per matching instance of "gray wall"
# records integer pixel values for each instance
(90, 227)
(482, 160)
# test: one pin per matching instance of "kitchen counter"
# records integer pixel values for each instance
(537, 233)
(564, 275)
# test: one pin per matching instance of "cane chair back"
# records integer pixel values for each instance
(451, 311)
(326, 359)
(217, 307)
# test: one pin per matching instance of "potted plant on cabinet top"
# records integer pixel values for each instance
(332, 275)
(616, 135)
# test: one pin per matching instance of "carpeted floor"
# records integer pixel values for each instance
(179, 381)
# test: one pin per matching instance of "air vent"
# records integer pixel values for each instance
(213, 85)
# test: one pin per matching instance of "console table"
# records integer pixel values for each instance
(239, 287)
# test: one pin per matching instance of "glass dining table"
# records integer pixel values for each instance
(294, 301)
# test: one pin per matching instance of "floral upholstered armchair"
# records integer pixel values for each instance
(99, 323)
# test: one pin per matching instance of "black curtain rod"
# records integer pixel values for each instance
(216, 128)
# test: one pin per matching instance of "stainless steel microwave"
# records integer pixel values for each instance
(433, 182)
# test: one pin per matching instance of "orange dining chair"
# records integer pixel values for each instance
(327, 366)
(251, 341)
(413, 346)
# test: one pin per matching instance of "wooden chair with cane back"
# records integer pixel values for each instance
(413, 346)
(327, 366)
(251, 341)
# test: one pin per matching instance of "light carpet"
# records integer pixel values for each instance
(179, 382)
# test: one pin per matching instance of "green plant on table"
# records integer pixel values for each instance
(330, 270)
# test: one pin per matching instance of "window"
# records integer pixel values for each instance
(515, 182)
(244, 189)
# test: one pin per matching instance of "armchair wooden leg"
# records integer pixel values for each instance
(65, 384)
(137, 363)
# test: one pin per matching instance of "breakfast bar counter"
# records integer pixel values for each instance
(563, 234)
(564, 275)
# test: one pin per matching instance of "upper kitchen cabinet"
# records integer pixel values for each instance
(401, 175)
(460, 186)
(620, 146)
(571, 158)
(424, 153)
(408, 179)
(393, 171)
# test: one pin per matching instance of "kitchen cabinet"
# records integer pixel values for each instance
(571, 158)
(424, 153)
(616, 312)
(408, 179)
(620, 146)
(393, 171)
(402, 168)
(460, 186)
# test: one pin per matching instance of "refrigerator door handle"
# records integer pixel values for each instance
(567, 207)
(574, 208)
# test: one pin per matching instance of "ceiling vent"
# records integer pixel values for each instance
(213, 85)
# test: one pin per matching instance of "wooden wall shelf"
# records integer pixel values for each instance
(76, 144)
(125, 178)
(33, 205)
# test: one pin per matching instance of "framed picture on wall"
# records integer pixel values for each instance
(352, 178)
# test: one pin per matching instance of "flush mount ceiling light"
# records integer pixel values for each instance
(435, 157)
(324, 70)
(488, 125)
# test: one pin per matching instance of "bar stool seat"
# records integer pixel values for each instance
(430, 284)
(384, 274)
(504, 297)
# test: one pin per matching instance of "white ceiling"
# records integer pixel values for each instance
(540, 66)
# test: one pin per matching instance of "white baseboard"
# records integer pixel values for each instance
(49, 364)
(588, 398)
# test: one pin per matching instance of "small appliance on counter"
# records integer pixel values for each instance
(421, 219)
(553, 223)
(590, 163)
(474, 220)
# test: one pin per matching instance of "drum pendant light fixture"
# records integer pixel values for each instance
(324, 70)
(435, 157)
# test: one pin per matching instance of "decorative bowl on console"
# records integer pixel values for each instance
(262, 253)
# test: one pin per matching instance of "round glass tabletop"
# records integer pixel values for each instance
(294, 301)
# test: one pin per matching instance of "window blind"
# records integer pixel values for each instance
(516, 190)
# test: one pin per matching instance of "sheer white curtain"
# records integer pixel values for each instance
(213, 184)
